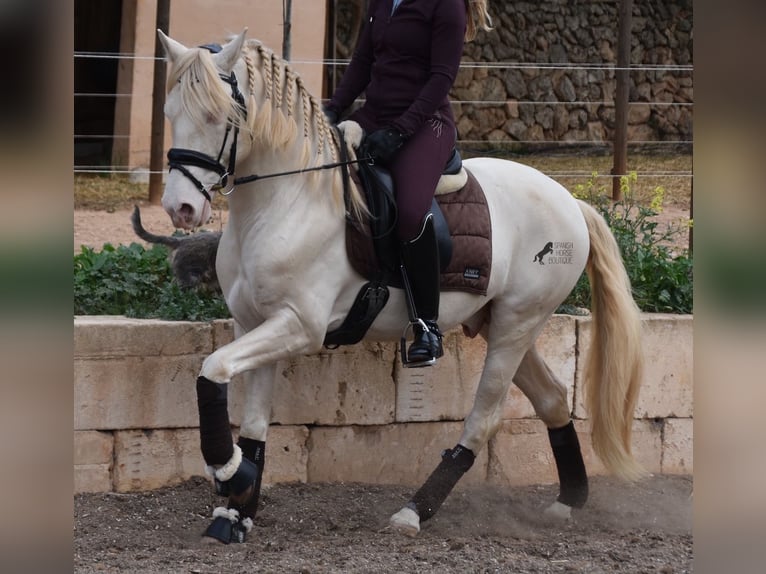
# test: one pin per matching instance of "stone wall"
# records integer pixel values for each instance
(569, 96)
(351, 414)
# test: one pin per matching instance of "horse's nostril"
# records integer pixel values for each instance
(186, 212)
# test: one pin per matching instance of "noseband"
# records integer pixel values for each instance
(180, 158)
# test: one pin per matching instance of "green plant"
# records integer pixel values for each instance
(137, 282)
(661, 277)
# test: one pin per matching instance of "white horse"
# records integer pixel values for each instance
(286, 277)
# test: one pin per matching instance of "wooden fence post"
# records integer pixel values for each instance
(622, 93)
(156, 155)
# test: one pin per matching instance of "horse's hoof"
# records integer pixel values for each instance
(227, 527)
(219, 530)
(406, 521)
(558, 511)
(240, 529)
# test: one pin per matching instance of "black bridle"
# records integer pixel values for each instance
(180, 158)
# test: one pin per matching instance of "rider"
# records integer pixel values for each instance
(405, 61)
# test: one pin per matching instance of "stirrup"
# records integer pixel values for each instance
(403, 345)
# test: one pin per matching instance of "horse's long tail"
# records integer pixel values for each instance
(614, 367)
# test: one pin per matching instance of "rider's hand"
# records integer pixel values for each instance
(383, 144)
(331, 115)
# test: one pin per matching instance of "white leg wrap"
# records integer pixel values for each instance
(248, 524)
(558, 511)
(227, 470)
(406, 521)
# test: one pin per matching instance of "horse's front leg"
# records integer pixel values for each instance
(232, 523)
(237, 469)
(282, 335)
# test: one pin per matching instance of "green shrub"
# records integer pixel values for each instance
(137, 282)
(662, 279)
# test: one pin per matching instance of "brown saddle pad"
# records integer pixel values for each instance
(467, 216)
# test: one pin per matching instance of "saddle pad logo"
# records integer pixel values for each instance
(471, 273)
(555, 253)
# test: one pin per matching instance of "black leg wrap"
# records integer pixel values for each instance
(573, 480)
(252, 449)
(255, 451)
(454, 464)
(214, 429)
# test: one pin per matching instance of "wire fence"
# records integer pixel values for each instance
(484, 146)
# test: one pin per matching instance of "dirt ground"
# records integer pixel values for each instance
(94, 228)
(324, 528)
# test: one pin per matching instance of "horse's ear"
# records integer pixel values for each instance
(229, 54)
(172, 48)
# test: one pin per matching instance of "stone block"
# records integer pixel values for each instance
(92, 478)
(287, 455)
(646, 443)
(146, 460)
(390, 454)
(93, 452)
(667, 386)
(117, 336)
(222, 332)
(136, 392)
(93, 448)
(520, 454)
(678, 446)
(349, 385)
(446, 391)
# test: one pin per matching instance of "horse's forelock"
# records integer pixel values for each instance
(202, 93)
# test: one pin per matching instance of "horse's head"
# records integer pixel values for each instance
(241, 92)
(206, 108)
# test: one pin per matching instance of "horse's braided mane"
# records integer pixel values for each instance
(202, 94)
(277, 120)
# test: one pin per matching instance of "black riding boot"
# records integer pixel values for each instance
(420, 258)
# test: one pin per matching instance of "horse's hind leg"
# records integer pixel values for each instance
(239, 476)
(549, 399)
(504, 354)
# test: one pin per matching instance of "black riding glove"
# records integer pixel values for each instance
(331, 115)
(383, 144)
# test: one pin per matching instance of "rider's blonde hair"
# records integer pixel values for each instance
(478, 18)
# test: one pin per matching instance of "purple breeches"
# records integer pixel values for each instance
(416, 169)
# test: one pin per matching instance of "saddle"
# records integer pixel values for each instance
(463, 230)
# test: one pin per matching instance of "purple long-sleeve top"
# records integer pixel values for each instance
(406, 63)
